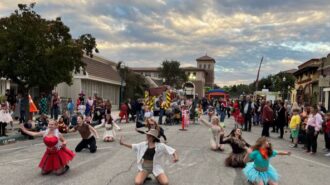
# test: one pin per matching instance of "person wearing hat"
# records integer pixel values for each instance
(149, 154)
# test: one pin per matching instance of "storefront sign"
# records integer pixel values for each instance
(324, 81)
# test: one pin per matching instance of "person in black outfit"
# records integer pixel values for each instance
(247, 109)
(276, 108)
(281, 119)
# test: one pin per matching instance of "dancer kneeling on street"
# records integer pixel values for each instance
(216, 130)
(239, 147)
(109, 124)
(57, 155)
(87, 133)
(260, 171)
(149, 155)
(151, 124)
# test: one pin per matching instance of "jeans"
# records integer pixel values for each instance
(87, 143)
(54, 112)
(161, 114)
(22, 118)
(222, 116)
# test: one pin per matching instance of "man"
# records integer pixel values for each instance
(267, 119)
(87, 133)
(161, 110)
(55, 105)
(248, 108)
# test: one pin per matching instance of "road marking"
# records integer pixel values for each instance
(311, 161)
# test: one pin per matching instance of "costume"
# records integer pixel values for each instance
(215, 138)
(260, 169)
(56, 156)
(109, 130)
(236, 158)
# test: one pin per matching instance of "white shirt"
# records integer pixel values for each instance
(246, 107)
(160, 150)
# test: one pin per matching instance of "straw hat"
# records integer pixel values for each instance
(154, 133)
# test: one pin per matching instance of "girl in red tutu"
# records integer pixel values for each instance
(57, 155)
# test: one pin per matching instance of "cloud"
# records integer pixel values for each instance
(237, 33)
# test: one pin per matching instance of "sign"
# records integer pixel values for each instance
(324, 81)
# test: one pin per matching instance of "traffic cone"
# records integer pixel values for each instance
(32, 106)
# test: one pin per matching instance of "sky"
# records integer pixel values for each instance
(236, 33)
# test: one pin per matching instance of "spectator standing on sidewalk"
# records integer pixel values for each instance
(267, 119)
(314, 125)
(55, 105)
(327, 135)
(43, 104)
(247, 111)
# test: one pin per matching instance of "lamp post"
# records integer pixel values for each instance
(122, 69)
(284, 87)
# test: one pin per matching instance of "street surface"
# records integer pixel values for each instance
(198, 165)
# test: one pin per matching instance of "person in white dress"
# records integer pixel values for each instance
(216, 131)
(109, 124)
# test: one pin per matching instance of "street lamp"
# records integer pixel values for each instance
(284, 91)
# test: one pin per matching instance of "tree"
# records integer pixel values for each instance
(39, 52)
(173, 74)
(135, 83)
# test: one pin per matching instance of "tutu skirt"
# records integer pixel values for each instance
(56, 159)
(256, 176)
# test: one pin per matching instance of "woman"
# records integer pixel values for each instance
(239, 147)
(313, 127)
(57, 155)
(260, 171)
(109, 133)
(149, 154)
(151, 124)
(216, 130)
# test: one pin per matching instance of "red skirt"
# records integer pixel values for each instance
(56, 159)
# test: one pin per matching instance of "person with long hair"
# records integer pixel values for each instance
(151, 123)
(149, 154)
(216, 130)
(259, 171)
(57, 155)
(109, 123)
(313, 127)
(239, 147)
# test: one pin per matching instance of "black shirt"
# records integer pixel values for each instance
(149, 154)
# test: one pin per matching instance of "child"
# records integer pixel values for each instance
(109, 123)
(260, 171)
(327, 134)
(294, 127)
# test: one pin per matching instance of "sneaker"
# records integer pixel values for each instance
(294, 146)
(327, 155)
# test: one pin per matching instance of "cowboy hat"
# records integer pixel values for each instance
(154, 133)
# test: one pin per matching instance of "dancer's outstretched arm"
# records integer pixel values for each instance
(121, 142)
(283, 153)
(30, 133)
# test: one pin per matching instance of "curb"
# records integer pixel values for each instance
(11, 139)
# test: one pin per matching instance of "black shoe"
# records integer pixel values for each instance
(147, 179)
(45, 173)
(66, 168)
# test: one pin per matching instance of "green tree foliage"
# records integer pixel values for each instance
(38, 52)
(173, 74)
(135, 83)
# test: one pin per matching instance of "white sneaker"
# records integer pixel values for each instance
(327, 155)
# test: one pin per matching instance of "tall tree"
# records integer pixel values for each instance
(172, 73)
(38, 52)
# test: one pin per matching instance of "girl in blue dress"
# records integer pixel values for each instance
(259, 171)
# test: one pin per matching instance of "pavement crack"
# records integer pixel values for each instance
(121, 173)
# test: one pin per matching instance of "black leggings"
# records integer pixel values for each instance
(3, 128)
(87, 143)
(162, 134)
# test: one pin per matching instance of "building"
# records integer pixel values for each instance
(324, 81)
(207, 63)
(202, 76)
(100, 77)
(4, 85)
(306, 89)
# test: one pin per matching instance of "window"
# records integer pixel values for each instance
(209, 66)
(194, 73)
(204, 66)
(200, 66)
(147, 74)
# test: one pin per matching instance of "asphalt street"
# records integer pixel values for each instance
(198, 165)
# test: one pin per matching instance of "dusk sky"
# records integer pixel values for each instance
(237, 33)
